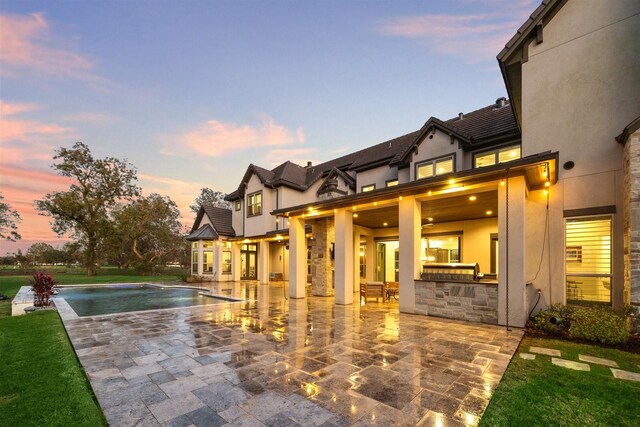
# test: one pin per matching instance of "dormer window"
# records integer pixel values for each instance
(254, 204)
(500, 155)
(370, 187)
(391, 183)
(435, 167)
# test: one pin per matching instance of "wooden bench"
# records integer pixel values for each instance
(372, 290)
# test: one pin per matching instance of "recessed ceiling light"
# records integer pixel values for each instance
(429, 219)
(385, 224)
(355, 215)
(451, 181)
(429, 193)
(489, 212)
(472, 198)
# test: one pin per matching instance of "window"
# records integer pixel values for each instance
(254, 204)
(363, 260)
(588, 259)
(435, 167)
(207, 244)
(500, 155)
(207, 262)
(226, 262)
(369, 187)
(194, 262)
(238, 205)
(392, 183)
(441, 248)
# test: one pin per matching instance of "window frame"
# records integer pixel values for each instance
(496, 155)
(579, 258)
(250, 210)
(362, 189)
(433, 162)
(227, 263)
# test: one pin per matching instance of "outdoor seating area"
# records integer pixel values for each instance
(379, 290)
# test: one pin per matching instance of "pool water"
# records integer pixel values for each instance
(107, 299)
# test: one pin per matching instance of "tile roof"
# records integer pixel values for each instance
(220, 219)
(475, 127)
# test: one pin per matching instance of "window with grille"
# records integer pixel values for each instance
(254, 204)
(588, 259)
(435, 167)
(226, 262)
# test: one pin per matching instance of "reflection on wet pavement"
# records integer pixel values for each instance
(278, 362)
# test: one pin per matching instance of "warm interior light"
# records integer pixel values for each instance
(472, 198)
(489, 212)
(355, 215)
(385, 224)
(429, 219)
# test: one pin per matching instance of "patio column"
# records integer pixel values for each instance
(344, 254)
(370, 255)
(512, 254)
(263, 263)
(235, 261)
(200, 257)
(217, 261)
(297, 258)
(409, 229)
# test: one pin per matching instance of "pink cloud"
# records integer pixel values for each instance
(27, 46)
(216, 138)
(473, 36)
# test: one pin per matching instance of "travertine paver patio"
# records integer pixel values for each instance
(280, 362)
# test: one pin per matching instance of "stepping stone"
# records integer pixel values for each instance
(570, 364)
(545, 351)
(597, 361)
(527, 356)
(625, 375)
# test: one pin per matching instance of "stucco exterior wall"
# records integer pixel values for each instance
(438, 146)
(260, 224)
(378, 176)
(580, 87)
(236, 218)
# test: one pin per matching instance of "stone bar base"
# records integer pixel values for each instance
(475, 302)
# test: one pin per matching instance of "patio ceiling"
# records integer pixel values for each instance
(455, 208)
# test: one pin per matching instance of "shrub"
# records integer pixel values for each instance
(542, 320)
(633, 314)
(42, 286)
(599, 324)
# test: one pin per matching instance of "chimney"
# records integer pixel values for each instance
(460, 116)
(309, 164)
(501, 102)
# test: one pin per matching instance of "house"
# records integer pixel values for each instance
(535, 192)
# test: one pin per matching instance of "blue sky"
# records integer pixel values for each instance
(192, 92)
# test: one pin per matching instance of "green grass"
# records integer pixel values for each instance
(537, 393)
(41, 381)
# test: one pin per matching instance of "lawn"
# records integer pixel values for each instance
(537, 393)
(41, 381)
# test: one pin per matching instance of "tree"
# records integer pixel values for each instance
(146, 233)
(83, 211)
(209, 197)
(41, 253)
(9, 219)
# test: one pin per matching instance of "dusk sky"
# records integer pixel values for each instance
(192, 92)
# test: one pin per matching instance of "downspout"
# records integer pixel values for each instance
(507, 246)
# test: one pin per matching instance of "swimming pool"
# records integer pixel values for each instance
(121, 298)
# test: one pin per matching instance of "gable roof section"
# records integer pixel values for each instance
(478, 128)
(515, 51)
(220, 219)
(332, 175)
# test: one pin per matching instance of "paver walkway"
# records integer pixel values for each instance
(298, 362)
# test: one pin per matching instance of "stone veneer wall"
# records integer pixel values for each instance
(631, 168)
(321, 263)
(475, 302)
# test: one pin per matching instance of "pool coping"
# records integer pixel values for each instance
(67, 312)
